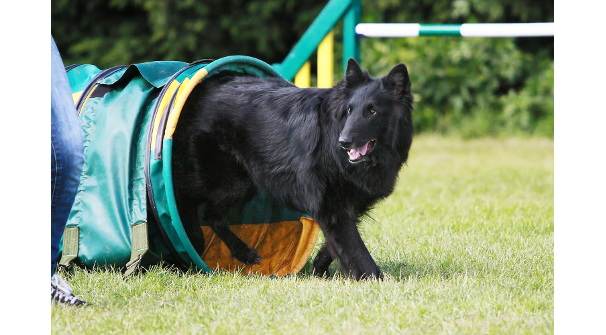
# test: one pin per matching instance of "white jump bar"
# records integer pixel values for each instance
(466, 29)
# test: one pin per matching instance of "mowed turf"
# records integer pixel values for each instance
(465, 242)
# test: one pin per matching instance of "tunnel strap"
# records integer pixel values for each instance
(140, 246)
(70, 245)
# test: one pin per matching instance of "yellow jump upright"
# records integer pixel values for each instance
(303, 77)
(326, 65)
(326, 61)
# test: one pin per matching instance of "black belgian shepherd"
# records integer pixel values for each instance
(332, 153)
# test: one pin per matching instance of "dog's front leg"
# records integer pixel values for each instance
(345, 243)
(322, 261)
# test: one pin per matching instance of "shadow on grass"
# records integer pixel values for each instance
(400, 271)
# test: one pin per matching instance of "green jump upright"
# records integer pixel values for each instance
(325, 21)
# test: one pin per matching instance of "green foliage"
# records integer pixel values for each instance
(108, 33)
(465, 86)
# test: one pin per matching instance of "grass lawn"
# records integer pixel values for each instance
(465, 242)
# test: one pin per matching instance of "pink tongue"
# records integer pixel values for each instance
(357, 153)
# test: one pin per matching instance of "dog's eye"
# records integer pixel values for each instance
(349, 111)
(373, 112)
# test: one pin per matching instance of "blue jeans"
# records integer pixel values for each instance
(67, 151)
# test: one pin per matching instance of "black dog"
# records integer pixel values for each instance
(332, 153)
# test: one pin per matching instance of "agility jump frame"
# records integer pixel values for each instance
(319, 36)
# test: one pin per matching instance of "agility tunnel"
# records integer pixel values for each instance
(128, 116)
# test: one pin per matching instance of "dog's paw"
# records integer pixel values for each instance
(321, 272)
(248, 257)
(373, 276)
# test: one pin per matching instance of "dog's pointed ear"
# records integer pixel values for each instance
(353, 74)
(397, 81)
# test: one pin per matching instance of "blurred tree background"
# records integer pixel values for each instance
(463, 86)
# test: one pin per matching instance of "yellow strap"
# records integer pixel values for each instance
(173, 118)
(88, 96)
(165, 99)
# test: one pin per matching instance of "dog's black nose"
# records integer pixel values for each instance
(345, 143)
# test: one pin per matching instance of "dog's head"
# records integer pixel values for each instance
(376, 119)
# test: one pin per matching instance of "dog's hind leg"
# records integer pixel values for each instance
(215, 217)
(191, 224)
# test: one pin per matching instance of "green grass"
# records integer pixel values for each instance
(465, 241)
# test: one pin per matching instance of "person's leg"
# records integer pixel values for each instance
(67, 153)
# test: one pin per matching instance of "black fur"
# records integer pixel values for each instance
(239, 134)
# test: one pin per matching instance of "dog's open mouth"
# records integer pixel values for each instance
(357, 155)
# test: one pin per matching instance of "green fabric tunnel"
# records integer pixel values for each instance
(128, 115)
